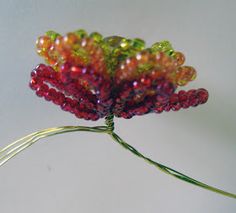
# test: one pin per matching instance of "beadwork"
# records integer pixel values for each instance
(92, 77)
(95, 77)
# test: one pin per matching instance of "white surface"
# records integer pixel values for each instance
(83, 172)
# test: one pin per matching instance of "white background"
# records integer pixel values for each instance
(82, 172)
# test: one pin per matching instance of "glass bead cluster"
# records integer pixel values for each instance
(91, 76)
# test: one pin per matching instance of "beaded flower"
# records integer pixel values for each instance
(91, 76)
(95, 77)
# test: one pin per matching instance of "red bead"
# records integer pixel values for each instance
(159, 109)
(183, 99)
(64, 73)
(33, 73)
(69, 105)
(176, 107)
(167, 108)
(42, 90)
(182, 95)
(60, 99)
(34, 84)
(174, 99)
(91, 95)
(126, 115)
(94, 117)
(146, 81)
(135, 85)
(66, 106)
(50, 95)
(41, 67)
(46, 73)
(75, 72)
(202, 95)
(161, 100)
(193, 100)
(65, 67)
(39, 70)
(167, 88)
(140, 110)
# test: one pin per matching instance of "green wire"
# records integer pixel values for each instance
(18, 146)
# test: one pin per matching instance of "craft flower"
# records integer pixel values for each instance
(92, 77)
(95, 77)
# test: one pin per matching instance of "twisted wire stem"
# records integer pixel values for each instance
(109, 121)
(18, 146)
(168, 170)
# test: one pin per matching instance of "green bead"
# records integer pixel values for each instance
(116, 51)
(162, 46)
(96, 36)
(170, 52)
(144, 67)
(138, 44)
(81, 33)
(113, 41)
(125, 44)
(53, 35)
(106, 48)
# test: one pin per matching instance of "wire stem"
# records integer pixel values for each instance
(168, 170)
(18, 146)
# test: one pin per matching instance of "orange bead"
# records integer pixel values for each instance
(131, 63)
(98, 52)
(155, 74)
(88, 44)
(185, 74)
(59, 43)
(53, 56)
(171, 76)
(158, 56)
(193, 74)
(70, 39)
(153, 58)
(143, 57)
(180, 59)
(165, 60)
(51, 61)
(43, 44)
